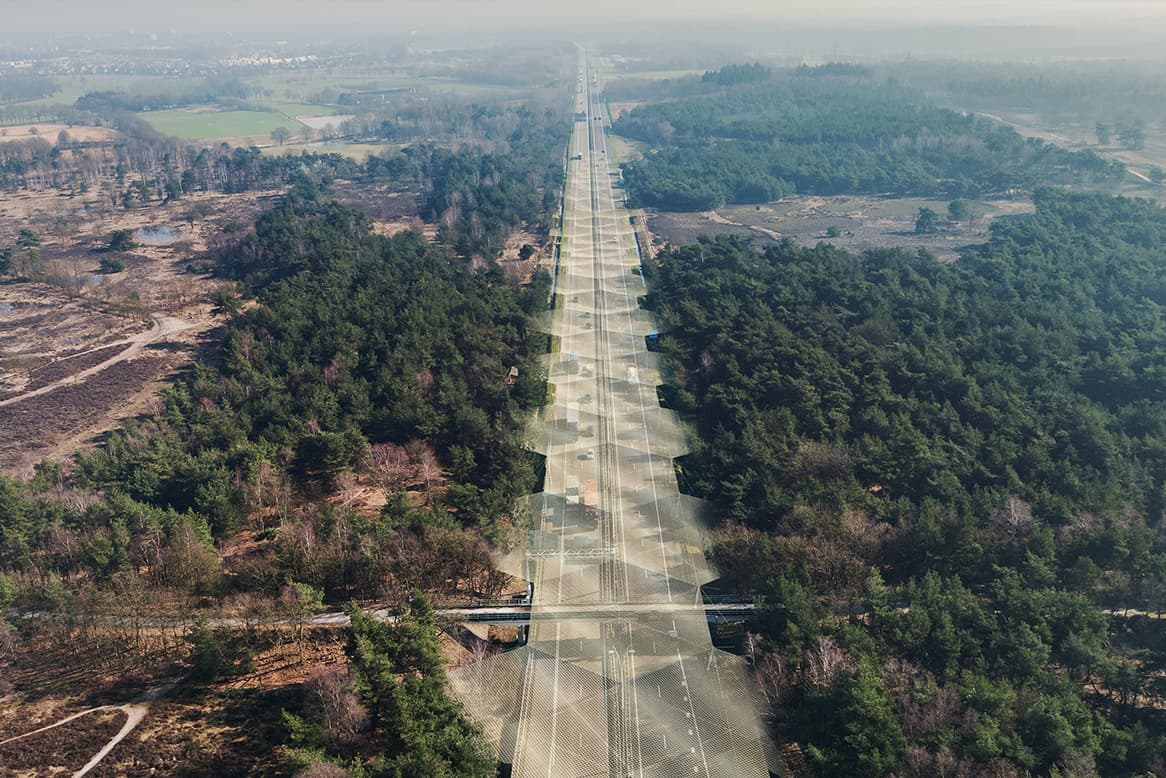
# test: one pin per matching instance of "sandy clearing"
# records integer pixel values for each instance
(50, 133)
(163, 326)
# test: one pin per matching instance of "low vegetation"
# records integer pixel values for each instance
(350, 363)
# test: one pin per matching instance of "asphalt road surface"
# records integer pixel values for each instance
(640, 692)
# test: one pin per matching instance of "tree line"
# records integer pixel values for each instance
(837, 133)
(1110, 92)
(968, 456)
(477, 195)
(18, 87)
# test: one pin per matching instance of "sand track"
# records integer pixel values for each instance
(163, 326)
(134, 713)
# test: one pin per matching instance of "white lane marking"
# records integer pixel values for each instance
(644, 421)
(692, 713)
(554, 705)
(636, 710)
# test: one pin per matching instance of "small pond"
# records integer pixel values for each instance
(158, 235)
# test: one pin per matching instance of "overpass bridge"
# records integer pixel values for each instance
(520, 615)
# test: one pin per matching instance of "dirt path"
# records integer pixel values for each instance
(1030, 131)
(717, 218)
(163, 326)
(1138, 175)
(60, 723)
(134, 713)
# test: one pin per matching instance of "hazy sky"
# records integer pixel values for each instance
(365, 16)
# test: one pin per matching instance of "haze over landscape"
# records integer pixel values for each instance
(73, 17)
(426, 388)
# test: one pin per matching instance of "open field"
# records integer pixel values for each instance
(302, 85)
(73, 87)
(50, 132)
(81, 350)
(324, 122)
(623, 149)
(293, 109)
(230, 727)
(863, 223)
(206, 123)
(66, 748)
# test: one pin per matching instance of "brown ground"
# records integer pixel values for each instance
(102, 343)
(65, 748)
(1078, 134)
(382, 202)
(522, 270)
(230, 728)
(863, 223)
(51, 132)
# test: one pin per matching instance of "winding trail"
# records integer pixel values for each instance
(60, 723)
(134, 713)
(163, 326)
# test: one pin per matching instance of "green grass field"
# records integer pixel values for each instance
(214, 125)
(294, 109)
(298, 86)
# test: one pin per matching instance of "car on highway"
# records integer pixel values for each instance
(589, 454)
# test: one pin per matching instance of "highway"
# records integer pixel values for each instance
(619, 676)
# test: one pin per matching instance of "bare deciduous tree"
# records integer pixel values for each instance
(768, 670)
(331, 693)
(390, 465)
(1012, 521)
(824, 661)
(424, 457)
